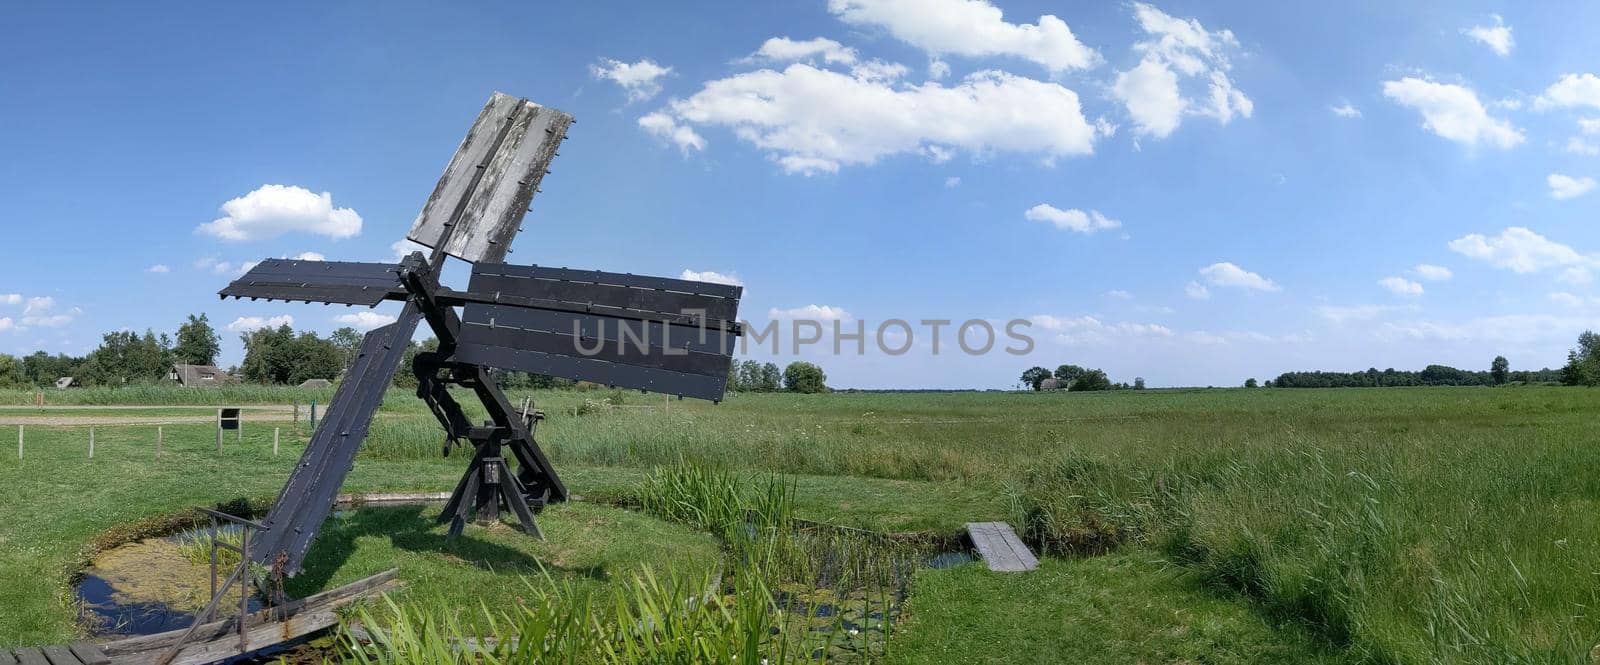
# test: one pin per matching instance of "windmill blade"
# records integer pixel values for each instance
(478, 205)
(313, 486)
(336, 282)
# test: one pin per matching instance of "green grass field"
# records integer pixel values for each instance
(1387, 525)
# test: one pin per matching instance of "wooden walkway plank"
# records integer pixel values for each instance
(89, 654)
(60, 656)
(31, 657)
(6, 658)
(1000, 547)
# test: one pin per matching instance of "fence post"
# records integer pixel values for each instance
(219, 439)
(312, 421)
(296, 420)
(91, 442)
(274, 442)
(19, 442)
(159, 435)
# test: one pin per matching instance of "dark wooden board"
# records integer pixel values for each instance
(611, 278)
(6, 658)
(89, 654)
(60, 656)
(31, 657)
(1000, 547)
(709, 386)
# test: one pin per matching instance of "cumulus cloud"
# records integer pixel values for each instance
(403, 248)
(783, 49)
(664, 127)
(1497, 37)
(640, 80)
(1522, 251)
(1090, 330)
(811, 313)
(1401, 286)
(1178, 49)
(710, 276)
(952, 182)
(221, 267)
(1571, 91)
(1563, 187)
(1227, 274)
(1071, 219)
(812, 120)
(273, 210)
(251, 323)
(1345, 110)
(159, 269)
(41, 312)
(308, 256)
(10, 299)
(1432, 272)
(971, 28)
(6, 324)
(1452, 112)
(1197, 291)
(364, 320)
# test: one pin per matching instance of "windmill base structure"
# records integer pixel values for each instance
(648, 333)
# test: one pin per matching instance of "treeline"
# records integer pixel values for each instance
(123, 357)
(1432, 375)
(751, 376)
(1076, 379)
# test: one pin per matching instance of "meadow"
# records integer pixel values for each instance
(1361, 525)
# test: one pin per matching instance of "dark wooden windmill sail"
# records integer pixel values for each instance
(650, 333)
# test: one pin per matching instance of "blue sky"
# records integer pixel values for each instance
(1194, 193)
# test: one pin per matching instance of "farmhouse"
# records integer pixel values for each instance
(199, 376)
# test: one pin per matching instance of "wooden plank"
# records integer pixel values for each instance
(1000, 547)
(60, 656)
(31, 657)
(6, 658)
(89, 654)
(269, 626)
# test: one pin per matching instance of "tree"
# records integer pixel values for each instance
(1035, 376)
(771, 378)
(1500, 369)
(348, 342)
(42, 369)
(127, 357)
(1250, 382)
(1093, 379)
(12, 374)
(277, 355)
(1583, 363)
(198, 343)
(1066, 374)
(804, 377)
(1138, 383)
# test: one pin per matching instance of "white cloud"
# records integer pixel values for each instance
(1575, 275)
(1452, 112)
(972, 28)
(710, 276)
(1580, 146)
(811, 313)
(814, 120)
(10, 299)
(246, 266)
(1520, 329)
(251, 323)
(783, 49)
(952, 182)
(938, 69)
(1090, 330)
(641, 80)
(1401, 286)
(1563, 187)
(1119, 294)
(362, 320)
(1432, 272)
(403, 248)
(663, 126)
(41, 312)
(1566, 299)
(1349, 313)
(1151, 91)
(1230, 275)
(1345, 110)
(1571, 91)
(159, 269)
(273, 210)
(1497, 37)
(1522, 251)
(1197, 291)
(1071, 219)
(306, 256)
(6, 324)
